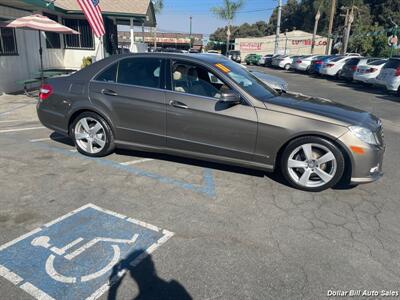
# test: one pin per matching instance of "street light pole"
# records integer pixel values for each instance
(278, 27)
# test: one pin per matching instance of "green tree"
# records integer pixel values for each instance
(228, 13)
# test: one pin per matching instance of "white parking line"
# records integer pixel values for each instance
(16, 121)
(134, 162)
(21, 129)
(48, 139)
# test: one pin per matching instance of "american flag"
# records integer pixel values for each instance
(92, 11)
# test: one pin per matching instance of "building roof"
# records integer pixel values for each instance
(133, 7)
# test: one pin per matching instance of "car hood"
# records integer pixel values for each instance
(314, 107)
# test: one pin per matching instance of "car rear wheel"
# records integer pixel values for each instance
(312, 164)
(287, 67)
(92, 135)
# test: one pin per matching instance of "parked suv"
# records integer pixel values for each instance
(235, 56)
(390, 75)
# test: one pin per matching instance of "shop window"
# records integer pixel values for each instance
(53, 40)
(8, 41)
(82, 41)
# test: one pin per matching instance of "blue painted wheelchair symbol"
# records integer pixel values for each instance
(73, 256)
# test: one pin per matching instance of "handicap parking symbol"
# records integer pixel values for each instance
(73, 256)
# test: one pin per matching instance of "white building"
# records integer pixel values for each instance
(291, 43)
(19, 49)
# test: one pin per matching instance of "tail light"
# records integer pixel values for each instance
(45, 91)
(371, 70)
(354, 68)
(318, 62)
(298, 61)
(329, 65)
(397, 72)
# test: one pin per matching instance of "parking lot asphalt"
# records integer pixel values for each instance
(238, 233)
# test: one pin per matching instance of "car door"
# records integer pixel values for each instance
(198, 122)
(136, 100)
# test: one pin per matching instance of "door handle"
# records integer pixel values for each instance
(108, 92)
(178, 104)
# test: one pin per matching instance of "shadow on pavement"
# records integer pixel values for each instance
(151, 287)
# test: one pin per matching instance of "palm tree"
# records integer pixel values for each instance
(158, 7)
(320, 6)
(228, 12)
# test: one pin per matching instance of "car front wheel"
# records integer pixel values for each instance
(312, 164)
(92, 135)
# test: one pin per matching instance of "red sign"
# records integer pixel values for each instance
(309, 42)
(250, 46)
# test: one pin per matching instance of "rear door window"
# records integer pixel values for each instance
(140, 71)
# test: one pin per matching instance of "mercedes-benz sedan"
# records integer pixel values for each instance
(211, 108)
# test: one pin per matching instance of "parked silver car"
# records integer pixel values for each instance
(211, 108)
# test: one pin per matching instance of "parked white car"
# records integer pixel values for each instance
(303, 63)
(390, 75)
(334, 66)
(283, 62)
(365, 73)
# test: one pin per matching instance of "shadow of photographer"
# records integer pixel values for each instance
(140, 266)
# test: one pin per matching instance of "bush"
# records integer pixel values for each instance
(86, 61)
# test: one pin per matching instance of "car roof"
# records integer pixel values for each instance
(207, 58)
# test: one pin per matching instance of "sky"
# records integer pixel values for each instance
(176, 14)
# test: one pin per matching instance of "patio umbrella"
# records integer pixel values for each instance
(40, 23)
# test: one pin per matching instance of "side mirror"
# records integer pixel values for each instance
(230, 97)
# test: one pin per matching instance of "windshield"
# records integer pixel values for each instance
(247, 81)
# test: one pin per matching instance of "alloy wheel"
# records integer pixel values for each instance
(90, 135)
(312, 165)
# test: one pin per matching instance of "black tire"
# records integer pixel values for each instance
(340, 161)
(287, 67)
(109, 145)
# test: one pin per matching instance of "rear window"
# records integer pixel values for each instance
(392, 64)
(109, 75)
(378, 62)
(337, 58)
(353, 62)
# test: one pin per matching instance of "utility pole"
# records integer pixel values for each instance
(286, 41)
(317, 17)
(278, 27)
(348, 23)
(331, 19)
(190, 31)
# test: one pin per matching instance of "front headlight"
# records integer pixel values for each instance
(364, 134)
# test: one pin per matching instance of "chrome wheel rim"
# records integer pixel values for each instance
(312, 165)
(90, 135)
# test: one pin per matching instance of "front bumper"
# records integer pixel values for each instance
(366, 167)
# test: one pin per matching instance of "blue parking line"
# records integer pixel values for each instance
(207, 188)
